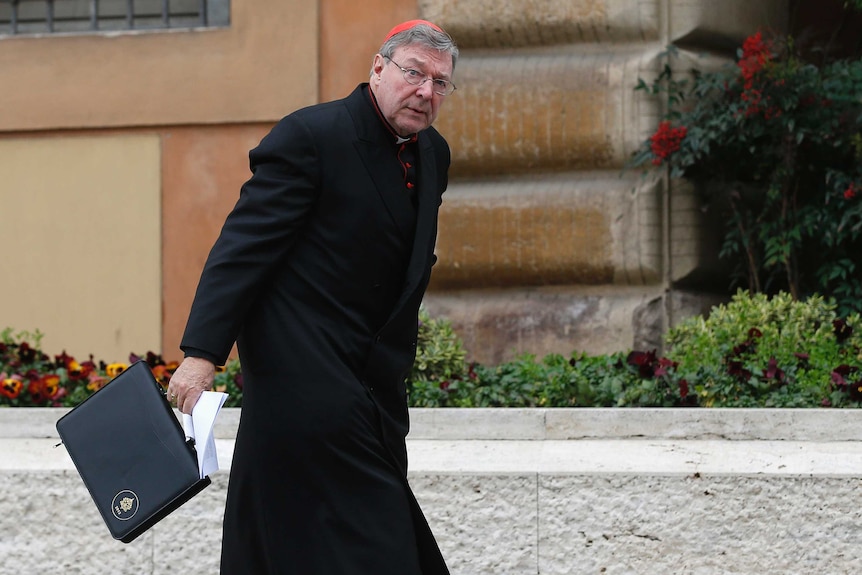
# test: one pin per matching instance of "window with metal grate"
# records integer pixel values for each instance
(19, 17)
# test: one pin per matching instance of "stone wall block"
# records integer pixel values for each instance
(586, 229)
(499, 325)
(523, 23)
(723, 24)
(647, 491)
(695, 233)
(557, 110)
(519, 23)
(202, 516)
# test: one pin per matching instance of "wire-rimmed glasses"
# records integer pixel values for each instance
(415, 77)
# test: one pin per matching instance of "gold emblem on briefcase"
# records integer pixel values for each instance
(125, 505)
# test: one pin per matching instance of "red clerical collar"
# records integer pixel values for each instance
(389, 128)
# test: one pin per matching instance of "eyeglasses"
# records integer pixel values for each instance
(417, 78)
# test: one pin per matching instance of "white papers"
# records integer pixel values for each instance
(199, 426)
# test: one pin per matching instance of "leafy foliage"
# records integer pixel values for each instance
(439, 351)
(615, 380)
(228, 379)
(774, 142)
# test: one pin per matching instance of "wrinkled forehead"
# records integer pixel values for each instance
(428, 60)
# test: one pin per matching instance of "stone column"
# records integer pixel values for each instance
(546, 244)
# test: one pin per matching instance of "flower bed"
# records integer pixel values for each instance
(754, 351)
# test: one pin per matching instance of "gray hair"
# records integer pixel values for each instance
(423, 35)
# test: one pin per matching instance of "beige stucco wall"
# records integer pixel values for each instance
(80, 235)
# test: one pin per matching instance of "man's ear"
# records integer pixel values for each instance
(377, 66)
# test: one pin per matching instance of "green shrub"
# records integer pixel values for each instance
(770, 352)
(619, 379)
(439, 351)
(228, 379)
(439, 366)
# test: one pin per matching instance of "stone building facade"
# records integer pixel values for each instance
(122, 152)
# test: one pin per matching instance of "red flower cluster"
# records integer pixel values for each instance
(683, 389)
(756, 52)
(11, 387)
(736, 360)
(40, 387)
(666, 141)
(445, 385)
(650, 366)
(851, 191)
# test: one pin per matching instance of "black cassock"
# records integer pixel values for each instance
(318, 274)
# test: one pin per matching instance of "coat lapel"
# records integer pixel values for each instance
(373, 146)
(376, 147)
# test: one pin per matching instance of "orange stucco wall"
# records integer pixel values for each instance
(350, 34)
(266, 61)
(202, 171)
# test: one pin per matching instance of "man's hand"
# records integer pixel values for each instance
(194, 376)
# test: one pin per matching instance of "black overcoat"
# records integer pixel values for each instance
(318, 274)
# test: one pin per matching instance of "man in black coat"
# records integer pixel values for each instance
(317, 275)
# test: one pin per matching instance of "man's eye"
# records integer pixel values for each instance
(441, 84)
(414, 73)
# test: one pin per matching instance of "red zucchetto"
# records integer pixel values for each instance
(410, 24)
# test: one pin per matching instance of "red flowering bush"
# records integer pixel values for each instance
(30, 378)
(775, 143)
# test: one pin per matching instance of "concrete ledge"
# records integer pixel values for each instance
(556, 424)
(516, 491)
(638, 423)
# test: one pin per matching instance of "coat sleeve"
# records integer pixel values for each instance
(260, 230)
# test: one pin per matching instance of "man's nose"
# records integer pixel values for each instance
(426, 89)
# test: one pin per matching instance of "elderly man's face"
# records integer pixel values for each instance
(406, 107)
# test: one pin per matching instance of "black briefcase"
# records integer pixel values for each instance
(131, 452)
